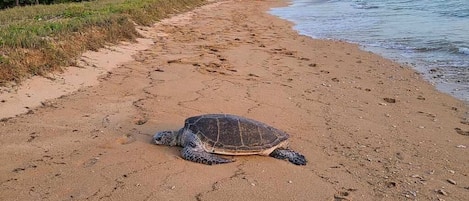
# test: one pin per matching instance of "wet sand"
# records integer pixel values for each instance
(371, 129)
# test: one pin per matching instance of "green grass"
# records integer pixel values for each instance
(36, 40)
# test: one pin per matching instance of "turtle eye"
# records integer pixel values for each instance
(158, 138)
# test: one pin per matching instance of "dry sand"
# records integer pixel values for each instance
(33, 92)
(370, 128)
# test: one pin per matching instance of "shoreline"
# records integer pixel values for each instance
(370, 128)
(444, 76)
(36, 91)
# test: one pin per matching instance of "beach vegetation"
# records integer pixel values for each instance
(39, 39)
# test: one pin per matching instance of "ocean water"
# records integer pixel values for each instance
(430, 35)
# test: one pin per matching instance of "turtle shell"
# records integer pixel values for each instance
(235, 135)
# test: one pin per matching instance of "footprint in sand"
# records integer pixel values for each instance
(461, 132)
(126, 139)
(91, 162)
(390, 100)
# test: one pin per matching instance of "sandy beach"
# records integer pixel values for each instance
(371, 129)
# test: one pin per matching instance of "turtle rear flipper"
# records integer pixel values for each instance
(201, 156)
(292, 156)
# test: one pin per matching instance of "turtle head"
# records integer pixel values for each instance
(166, 138)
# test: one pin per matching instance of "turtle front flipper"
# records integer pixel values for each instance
(292, 156)
(201, 156)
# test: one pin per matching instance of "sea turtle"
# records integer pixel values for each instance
(227, 134)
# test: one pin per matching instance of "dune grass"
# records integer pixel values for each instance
(36, 40)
